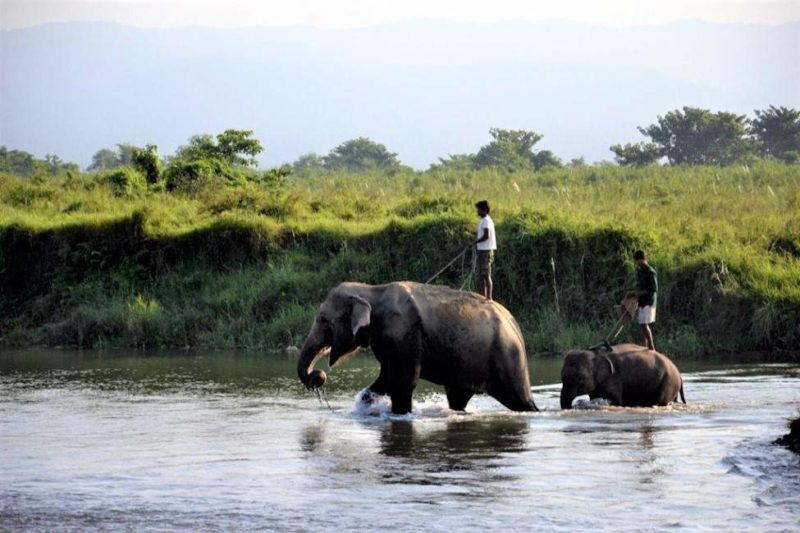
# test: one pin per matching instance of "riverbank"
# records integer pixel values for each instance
(85, 264)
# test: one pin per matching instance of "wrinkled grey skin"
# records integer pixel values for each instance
(453, 338)
(629, 376)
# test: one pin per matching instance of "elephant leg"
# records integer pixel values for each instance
(401, 401)
(610, 392)
(458, 398)
(402, 359)
(402, 380)
(513, 399)
(509, 383)
(380, 385)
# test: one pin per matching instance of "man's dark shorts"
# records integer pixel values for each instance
(485, 260)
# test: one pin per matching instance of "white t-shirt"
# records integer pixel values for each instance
(491, 242)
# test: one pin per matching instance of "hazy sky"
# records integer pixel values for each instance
(353, 13)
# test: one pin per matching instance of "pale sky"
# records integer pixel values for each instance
(356, 13)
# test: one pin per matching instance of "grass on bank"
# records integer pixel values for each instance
(246, 266)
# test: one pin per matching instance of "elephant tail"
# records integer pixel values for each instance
(683, 398)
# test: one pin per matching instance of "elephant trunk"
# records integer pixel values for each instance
(568, 394)
(314, 348)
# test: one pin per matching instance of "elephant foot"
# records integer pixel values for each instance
(457, 399)
(401, 403)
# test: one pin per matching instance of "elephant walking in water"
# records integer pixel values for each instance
(627, 375)
(453, 338)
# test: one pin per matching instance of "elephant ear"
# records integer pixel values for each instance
(603, 367)
(359, 316)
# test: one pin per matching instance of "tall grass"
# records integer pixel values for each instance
(83, 264)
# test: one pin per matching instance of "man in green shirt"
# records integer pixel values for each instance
(647, 294)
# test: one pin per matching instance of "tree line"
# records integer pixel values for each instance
(694, 136)
(687, 136)
(24, 164)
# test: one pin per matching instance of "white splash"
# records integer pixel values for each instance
(584, 402)
(369, 404)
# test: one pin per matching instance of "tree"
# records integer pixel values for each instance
(308, 162)
(107, 159)
(509, 150)
(544, 159)
(636, 155)
(455, 162)
(146, 161)
(125, 152)
(577, 162)
(361, 154)
(104, 159)
(233, 147)
(54, 165)
(16, 162)
(696, 136)
(25, 164)
(777, 130)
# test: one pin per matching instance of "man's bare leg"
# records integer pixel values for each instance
(647, 335)
(485, 286)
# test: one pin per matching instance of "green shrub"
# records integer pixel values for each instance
(190, 176)
(247, 265)
(123, 181)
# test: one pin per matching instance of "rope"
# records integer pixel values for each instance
(473, 266)
(619, 325)
(453, 260)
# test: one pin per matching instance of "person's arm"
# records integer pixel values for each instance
(484, 237)
(637, 292)
(652, 286)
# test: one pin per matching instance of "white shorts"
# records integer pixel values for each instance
(647, 314)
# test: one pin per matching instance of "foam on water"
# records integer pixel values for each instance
(432, 406)
(584, 402)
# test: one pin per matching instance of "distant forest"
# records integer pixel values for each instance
(687, 136)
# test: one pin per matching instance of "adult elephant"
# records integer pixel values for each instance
(453, 338)
(627, 375)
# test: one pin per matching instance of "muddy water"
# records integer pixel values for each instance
(221, 441)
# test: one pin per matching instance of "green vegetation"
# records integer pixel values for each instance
(694, 136)
(113, 258)
(24, 164)
(202, 249)
(355, 155)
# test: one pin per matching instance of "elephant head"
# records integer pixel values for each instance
(582, 372)
(340, 327)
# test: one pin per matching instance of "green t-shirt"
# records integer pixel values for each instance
(647, 280)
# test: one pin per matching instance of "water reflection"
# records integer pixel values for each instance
(645, 455)
(457, 444)
(215, 441)
(419, 453)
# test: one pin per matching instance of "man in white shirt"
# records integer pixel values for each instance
(486, 245)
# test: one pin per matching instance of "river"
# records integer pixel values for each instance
(220, 441)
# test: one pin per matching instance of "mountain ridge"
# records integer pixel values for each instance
(423, 88)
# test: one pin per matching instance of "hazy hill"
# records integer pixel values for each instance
(424, 88)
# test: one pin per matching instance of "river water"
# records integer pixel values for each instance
(217, 441)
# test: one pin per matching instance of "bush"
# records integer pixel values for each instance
(124, 181)
(146, 160)
(190, 176)
(247, 265)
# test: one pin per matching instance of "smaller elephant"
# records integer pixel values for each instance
(626, 375)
